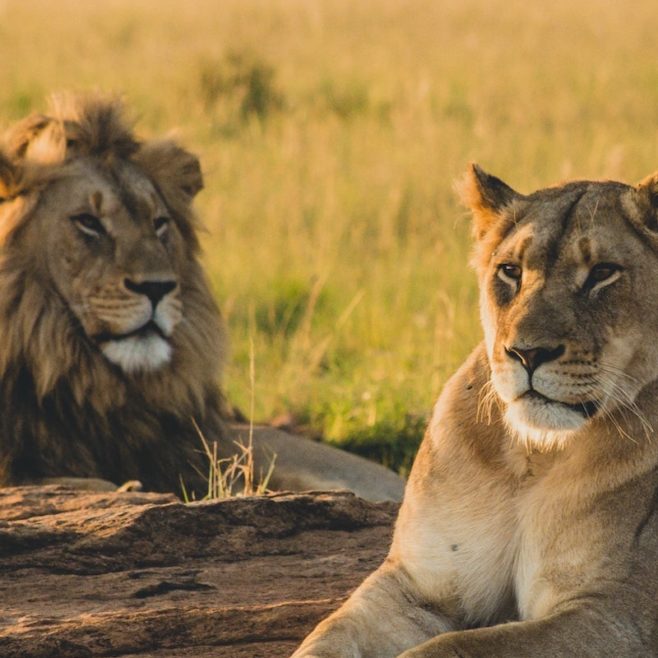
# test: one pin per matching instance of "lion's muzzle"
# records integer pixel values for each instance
(137, 335)
(154, 290)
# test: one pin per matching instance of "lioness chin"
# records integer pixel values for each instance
(529, 524)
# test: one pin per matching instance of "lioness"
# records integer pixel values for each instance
(529, 524)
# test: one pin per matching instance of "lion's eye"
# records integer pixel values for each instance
(88, 224)
(601, 273)
(510, 272)
(161, 225)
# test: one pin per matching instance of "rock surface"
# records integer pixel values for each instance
(138, 574)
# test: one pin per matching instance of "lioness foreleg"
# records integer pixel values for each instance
(380, 619)
(580, 631)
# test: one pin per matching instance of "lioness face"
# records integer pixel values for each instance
(568, 306)
(112, 250)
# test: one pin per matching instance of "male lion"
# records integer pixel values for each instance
(529, 524)
(111, 342)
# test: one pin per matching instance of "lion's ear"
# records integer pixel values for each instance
(176, 171)
(38, 139)
(486, 196)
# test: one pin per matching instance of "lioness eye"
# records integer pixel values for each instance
(88, 224)
(510, 271)
(161, 225)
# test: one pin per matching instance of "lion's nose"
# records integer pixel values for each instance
(154, 290)
(532, 358)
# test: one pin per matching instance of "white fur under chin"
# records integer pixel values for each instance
(138, 353)
(542, 424)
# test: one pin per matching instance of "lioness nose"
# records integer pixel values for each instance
(154, 290)
(531, 359)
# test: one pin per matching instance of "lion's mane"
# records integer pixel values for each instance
(65, 409)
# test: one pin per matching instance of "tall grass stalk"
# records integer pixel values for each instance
(236, 475)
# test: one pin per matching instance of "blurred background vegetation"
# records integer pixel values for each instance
(331, 132)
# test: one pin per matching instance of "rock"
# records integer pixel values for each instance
(302, 464)
(141, 574)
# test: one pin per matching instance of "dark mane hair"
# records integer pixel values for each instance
(65, 409)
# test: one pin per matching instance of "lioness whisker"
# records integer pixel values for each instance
(486, 400)
(620, 396)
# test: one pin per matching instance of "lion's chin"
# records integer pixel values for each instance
(138, 353)
(542, 422)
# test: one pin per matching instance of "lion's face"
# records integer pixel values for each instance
(109, 328)
(102, 226)
(567, 303)
(112, 252)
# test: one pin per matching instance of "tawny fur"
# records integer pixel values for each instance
(66, 410)
(81, 395)
(529, 525)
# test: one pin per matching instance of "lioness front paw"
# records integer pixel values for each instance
(434, 649)
(324, 652)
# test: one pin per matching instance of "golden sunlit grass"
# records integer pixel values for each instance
(331, 132)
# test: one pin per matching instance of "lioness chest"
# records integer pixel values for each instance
(503, 546)
(494, 532)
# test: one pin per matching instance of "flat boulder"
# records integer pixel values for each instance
(141, 574)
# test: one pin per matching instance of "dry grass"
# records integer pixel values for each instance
(231, 476)
(331, 132)
(236, 475)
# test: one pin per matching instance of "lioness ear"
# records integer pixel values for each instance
(648, 198)
(486, 196)
(176, 171)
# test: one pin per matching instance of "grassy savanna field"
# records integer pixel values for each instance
(331, 133)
